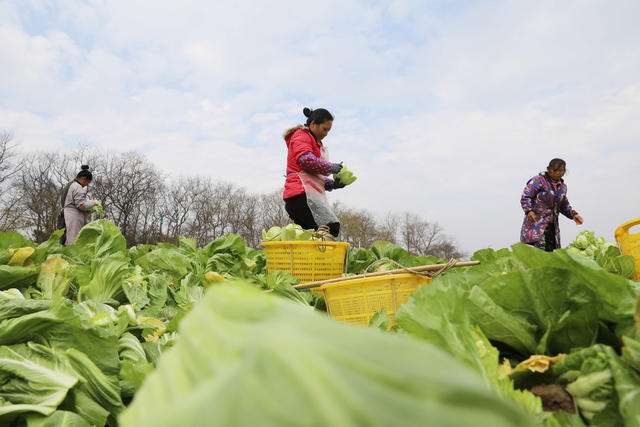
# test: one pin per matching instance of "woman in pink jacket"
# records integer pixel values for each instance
(308, 170)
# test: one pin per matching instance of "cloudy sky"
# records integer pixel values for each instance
(442, 108)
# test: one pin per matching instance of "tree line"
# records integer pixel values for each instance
(150, 207)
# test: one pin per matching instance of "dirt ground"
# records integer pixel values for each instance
(554, 398)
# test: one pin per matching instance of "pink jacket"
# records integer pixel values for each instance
(299, 141)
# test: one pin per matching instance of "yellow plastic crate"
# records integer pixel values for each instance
(357, 300)
(630, 243)
(308, 261)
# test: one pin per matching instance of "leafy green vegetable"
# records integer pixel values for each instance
(17, 276)
(174, 264)
(564, 419)
(190, 292)
(98, 239)
(437, 314)
(99, 210)
(15, 306)
(103, 389)
(106, 317)
(272, 234)
(613, 261)
(79, 401)
(55, 277)
(607, 254)
(35, 379)
(380, 320)
(22, 327)
(135, 288)
(157, 294)
(241, 347)
(20, 256)
(49, 248)
(57, 419)
(383, 256)
(345, 176)
(627, 384)
(287, 233)
(12, 239)
(590, 379)
(631, 352)
(106, 279)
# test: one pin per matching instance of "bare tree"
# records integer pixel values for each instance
(209, 218)
(10, 215)
(10, 218)
(447, 249)
(232, 210)
(388, 228)
(219, 208)
(39, 194)
(272, 211)
(426, 238)
(147, 227)
(248, 225)
(137, 199)
(129, 187)
(8, 155)
(178, 205)
(418, 236)
(357, 227)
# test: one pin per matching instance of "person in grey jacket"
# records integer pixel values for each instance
(76, 206)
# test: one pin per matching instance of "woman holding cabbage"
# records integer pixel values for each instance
(308, 170)
(543, 199)
(76, 206)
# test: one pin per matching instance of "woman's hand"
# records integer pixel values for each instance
(578, 219)
(338, 184)
(532, 216)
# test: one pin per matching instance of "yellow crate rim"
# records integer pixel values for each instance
(304, 243)
(362, 280)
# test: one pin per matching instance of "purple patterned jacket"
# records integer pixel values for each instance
(546, 198)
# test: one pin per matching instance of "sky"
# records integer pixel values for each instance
(442, 108)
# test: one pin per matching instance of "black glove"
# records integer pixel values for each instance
(336, 167)
(338, 184)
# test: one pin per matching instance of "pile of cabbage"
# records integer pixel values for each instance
(607, 254)
(287, 233)
(588, 245)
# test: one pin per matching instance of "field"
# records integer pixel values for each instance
(101, 334)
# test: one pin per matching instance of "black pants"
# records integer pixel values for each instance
(300, 213)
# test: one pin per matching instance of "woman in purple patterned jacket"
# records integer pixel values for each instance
(543, 198)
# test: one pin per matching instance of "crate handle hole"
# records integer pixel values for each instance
(635, 229)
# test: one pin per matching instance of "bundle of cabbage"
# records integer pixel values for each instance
(607, 254)
(345, 176)
(588, 245)
(287, 233)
